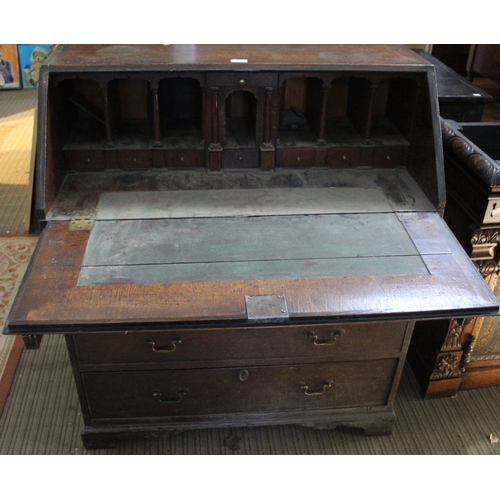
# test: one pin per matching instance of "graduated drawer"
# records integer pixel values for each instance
(243, 389)
(310, 341)
(242, 79)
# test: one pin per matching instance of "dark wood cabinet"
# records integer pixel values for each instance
(239, 235)
(462, 353)
(484, 59)
(459, 99)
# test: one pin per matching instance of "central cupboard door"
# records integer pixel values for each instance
(243, 124)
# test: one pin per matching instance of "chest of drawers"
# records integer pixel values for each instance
(227, 244)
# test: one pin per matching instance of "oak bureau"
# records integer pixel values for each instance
(239, 235)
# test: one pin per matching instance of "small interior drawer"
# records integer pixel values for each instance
(134, 158)
(240, 158)
(343, 157)
(242, 79)
(183, 158)
(300, 157)
(387, 157)
(84, 159)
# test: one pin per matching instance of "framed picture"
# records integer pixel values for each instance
(31, 58)
(9, 67)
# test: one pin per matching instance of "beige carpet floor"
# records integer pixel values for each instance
(17, 123)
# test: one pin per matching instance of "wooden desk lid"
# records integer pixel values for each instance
(352, 266)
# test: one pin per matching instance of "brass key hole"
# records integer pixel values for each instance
(243, 375)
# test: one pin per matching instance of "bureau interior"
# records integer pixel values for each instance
(221, 123)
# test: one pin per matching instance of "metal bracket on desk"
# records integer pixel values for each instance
(266, 307)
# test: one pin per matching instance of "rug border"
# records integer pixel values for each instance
(16, 349)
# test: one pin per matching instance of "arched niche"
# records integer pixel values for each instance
(240, 119)
(301, 109)
(180, 103)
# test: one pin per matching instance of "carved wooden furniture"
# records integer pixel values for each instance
(458, 98)
(484, 60)
(465, 353)
(239, 235)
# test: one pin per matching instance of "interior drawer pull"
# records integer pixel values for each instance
(307, 392)
(335, 335)
(176, 399)
(150, 341)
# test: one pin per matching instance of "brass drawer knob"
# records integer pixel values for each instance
(242, 82)
(319, 392)
(243, 375)
(333, 337)
(151, 342)
(298, 158)
(344, 158)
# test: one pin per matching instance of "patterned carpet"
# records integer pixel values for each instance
(15, 253)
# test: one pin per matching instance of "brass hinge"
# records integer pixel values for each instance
(81, 223)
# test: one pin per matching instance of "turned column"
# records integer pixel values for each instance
(369, 115)
(156, 116)
(267, 152)
(108, 133)
(214, 148)
(322, 122)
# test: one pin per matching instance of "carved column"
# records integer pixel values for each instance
(267, 150)
(448, 362)
(156, 116)
(322, 123)
(108, 133)
(214, 148)
(367, 133)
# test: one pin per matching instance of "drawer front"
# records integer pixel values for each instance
(310, 341)
(387, 157)
(242, 79)
(84, 160)
(242, 389)
(299, 158)
(134, 158)
(343, 157)
(240, 158)
(183, 158)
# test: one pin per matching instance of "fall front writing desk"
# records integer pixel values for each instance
(239, 235)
